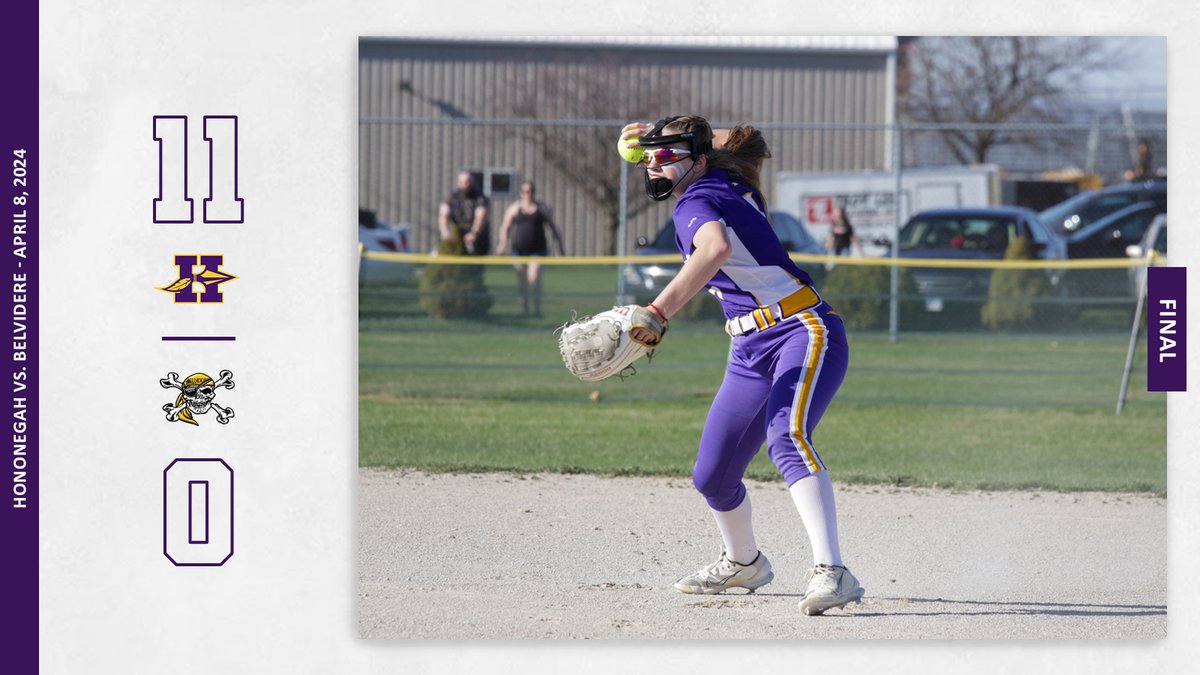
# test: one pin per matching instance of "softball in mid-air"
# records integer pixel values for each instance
(632, 155)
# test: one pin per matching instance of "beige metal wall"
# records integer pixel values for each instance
(429, 109)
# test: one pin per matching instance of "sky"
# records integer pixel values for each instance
(1143, 79)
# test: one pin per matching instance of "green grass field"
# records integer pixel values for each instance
(973, 410)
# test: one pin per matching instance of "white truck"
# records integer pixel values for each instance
(869, 198)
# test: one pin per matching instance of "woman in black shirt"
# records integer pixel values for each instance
(524, 231)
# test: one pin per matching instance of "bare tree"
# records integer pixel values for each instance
(997, 80)
(585, 154)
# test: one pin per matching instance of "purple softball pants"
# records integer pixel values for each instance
(778, 383)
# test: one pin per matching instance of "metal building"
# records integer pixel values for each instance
(549, 109)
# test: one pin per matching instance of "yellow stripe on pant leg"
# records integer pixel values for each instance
(813, 361)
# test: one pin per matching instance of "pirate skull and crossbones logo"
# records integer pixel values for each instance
(196, 394)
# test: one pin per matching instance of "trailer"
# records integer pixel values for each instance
(869, 198)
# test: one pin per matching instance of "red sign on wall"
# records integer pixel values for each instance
(819, 210)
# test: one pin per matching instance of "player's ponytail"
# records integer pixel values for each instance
(742, 155)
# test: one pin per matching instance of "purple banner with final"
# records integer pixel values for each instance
(1166, 322)
(19, 206)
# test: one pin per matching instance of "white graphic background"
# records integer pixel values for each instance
(285, 603)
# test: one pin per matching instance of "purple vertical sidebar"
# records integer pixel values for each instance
(19, 195)
(1166, 326)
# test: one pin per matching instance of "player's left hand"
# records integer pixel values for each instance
(597, 347)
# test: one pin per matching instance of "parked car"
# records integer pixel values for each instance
(1108, 237)
(1084, 208)
(1154, 239)
(646, 281)
(377, 235)
(982, 233)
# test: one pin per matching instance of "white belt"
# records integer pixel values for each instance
(765, 317)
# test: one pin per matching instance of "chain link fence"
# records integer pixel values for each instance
(881, 175)
(408, 167)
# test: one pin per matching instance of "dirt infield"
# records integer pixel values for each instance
(552, 556)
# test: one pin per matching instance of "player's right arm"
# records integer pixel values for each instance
(710, 250)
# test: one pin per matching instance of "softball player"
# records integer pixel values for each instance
(788, 356)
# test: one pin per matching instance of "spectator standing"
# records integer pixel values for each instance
(1143, 168)
(841, 234)
(465, 213)
(524, 229)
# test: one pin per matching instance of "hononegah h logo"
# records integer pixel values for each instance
(204, 270)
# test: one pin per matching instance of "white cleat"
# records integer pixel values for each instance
(725, 574)
(829, 586)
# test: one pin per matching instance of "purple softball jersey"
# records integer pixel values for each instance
(780, 377)
(759, 273)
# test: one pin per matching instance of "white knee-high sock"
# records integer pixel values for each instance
(814, 500)
(737, 532)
